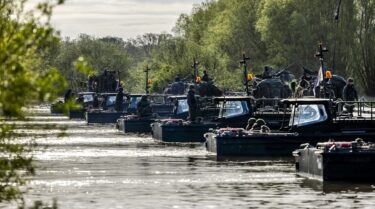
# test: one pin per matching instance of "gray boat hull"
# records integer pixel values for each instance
(103, 117)
(187, 133)
(348, 166)
(135, 126)
(271, 145)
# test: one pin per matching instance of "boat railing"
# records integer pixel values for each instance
(359, 110)
(263, 102)
(268, 105)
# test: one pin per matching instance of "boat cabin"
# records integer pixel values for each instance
(108, 100)
(234, 109)
(327, 115)
(132, 102)
(181, 107)
(88, 98)
(159, 103)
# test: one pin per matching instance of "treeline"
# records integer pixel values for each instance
(277, 33)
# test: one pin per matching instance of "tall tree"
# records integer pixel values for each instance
(24, 78)
(363, 63)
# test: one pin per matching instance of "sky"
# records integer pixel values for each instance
(120, 18)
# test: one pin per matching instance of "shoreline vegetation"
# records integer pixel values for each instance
(277, 33)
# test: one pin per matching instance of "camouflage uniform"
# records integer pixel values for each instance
(350, 94)
(144, 107)
(192, 102)
(68, 95)
(205, 76)
(119, 100)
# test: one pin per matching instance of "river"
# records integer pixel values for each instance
(98, 167)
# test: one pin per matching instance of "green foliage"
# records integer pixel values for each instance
(25, 78)
(278, 33)
(97, 54)
(363, 63)
(83, 66)
(13, 160)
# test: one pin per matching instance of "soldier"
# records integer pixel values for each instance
(95, 103)
(144, 107)
(267, 73)
(205, 76)
(350, 95)
(90, 83)
(177, 87)
(192, 102)
(104, 81)
(119, 100)
(68, 95)
(112, 84)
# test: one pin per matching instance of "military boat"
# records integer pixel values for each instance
(311, 121)
(57, 108)
(161, 107)
(87, 103)
(233, 111)
(177, 129)
(107, 114)
(337, 161)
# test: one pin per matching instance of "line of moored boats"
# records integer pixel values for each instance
(329, 138)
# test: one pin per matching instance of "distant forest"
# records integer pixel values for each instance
(277, 33)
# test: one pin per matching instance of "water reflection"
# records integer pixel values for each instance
(337, 187)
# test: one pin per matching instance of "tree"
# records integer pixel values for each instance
(363, 63)
(25, 77)
(107, 53)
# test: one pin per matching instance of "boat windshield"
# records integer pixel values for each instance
(307, 115)
(158, 99)
(111, 100)
(88, 98)
(182, 106)
(134, 101)
(233, 108)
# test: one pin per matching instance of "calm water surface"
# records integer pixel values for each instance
(98, 167)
